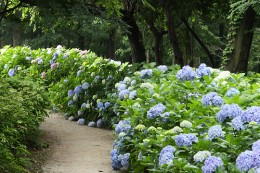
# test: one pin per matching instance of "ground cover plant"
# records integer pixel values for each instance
(166, 119)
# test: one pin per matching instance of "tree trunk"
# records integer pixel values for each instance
(17, 34)
(238, 59)
(81, 41)
(111, 44)
(188, 49)
(178, 59)
(134, 37)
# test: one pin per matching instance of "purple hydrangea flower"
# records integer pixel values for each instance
(78, 90)
(162, 68)
(166, 155)
(247, 160)
(123, 93)
(54, 65)
(146, 73)
(123, 126)
(211, 164)
(91, 124)
(186, 73)
(70, 93)
(185, 140)
(215, 132)
(99, 123)
(229, 111)
(213, 99)
(107, 104)
(256, 146)
(70, 103)
(11, 72)
(85, 85)
(237, 123)
(232, 91)
(132, 94)
(203, 70)
(155, 111)
(81, 121)
(251, 114)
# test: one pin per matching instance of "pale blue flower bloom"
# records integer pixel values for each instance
(132, 94)
(70, 103)
(99, 123)
(79, 73)
(203, 70)
(78, 89)
(123, 126)
(162, 68)
(146, 73)
(256, 146)
(85, 85)
(251, 114)
(185, 140)
(81, 121)
(100, 106)
(84, 106)
(186, 73)
(229, 111)
(238, 124)
(65, 81)
(123, 93)
(155, 111)
(211, 164)
(232, 91)
(124, 159)
(215, 132)
(91, 124)
(107, 104)
(121, 86)
(166, 155)
(247, 160)
(11, 72)
(213, 99)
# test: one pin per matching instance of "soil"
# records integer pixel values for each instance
(75, 148)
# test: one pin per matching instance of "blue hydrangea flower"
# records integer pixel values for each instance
(146, 73)
(5, 66)
(123, 93)
(257, 170)
(247, 160)
(215, 132)
(78, 90)
(91, 124)
(162, 68)
(79, 73)
(124, 159)
(203, 70)
(213, 99)
(165, 116)
(237, 123)
(121, 86)
(211, 164)
(65, 81)
(251, 114)
(81, 121)
(84, 105)
(39, 60)
(229, 111)
(70, 93)
(97, 78)
(185, 140)
(99, 123)
(256, 146)
(132, 94)
(123, 126)
(116, 164)
(186, 73)
(70, 103)
(11, 72)
(232, 91)
(166, 155)
(100, 106)
(107, 104)
(155, 111)
(85, 85)
(55, 55)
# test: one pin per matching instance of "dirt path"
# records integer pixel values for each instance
(77, 149)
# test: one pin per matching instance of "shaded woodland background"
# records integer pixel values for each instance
(221, 33)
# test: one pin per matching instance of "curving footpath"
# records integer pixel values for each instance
(75, 148)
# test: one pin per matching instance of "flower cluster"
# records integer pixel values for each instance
(99, 123)
(247, 160)
(103, 106)
(123, 126)
(215, 132)
(185, 140)
(162, 68)
(186, 73)
(186, 124)
(203, 70)
(201, 156)
(146, 73)
(213, 99)
(11, 72)
(85, 85)
(211, 164)
(119, 161)
(232, 91)
(155, 111)
(78, 90)
(251, 114)
(166, 155)
(81, 121)
(229, 111)
(91, 124)
(237, 123)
